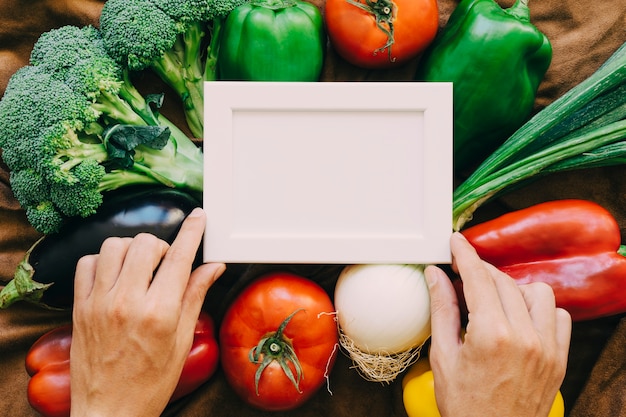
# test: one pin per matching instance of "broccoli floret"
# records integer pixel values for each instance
(171, 37)
(60, 49)
(29, 187)
(81, 195)
(76, 56)
(34, 101)
(73, 129)
(46, 215)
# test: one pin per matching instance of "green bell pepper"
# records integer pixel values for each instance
(272, 40)
(496, 59)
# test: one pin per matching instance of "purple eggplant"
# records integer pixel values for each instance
(46, 274)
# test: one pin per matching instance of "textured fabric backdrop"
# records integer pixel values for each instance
(583, 35)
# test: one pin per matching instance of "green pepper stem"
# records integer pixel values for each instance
(520, 10)
(274, 4)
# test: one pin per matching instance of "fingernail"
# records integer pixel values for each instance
(430, 275)
(197, 212)
(219, 271)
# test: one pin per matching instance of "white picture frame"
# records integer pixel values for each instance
(328, 172)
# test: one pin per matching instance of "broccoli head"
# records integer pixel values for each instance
(37, 114)
(61, 48)
(137, 33)
(33, 101)
(73, 129)
(76, 56)
(173, 38)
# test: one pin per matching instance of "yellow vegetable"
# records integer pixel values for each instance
(418, 392)
(558, 406)
(419, 396)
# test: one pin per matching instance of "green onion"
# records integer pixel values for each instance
(584, 128)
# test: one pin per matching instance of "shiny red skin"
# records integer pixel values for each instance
(48, 364)
(202, 360)
(354, 35)
(257, 312)
(572, 245)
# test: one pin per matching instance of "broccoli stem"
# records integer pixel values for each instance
(193, 75)
(136, 100)
(163, 167)
(167, 68)
(179, 164)
(194, 113)
(210, 68)
(119, 178)
(183, 144)
(114, 107)
(77, 154)
(171, 168)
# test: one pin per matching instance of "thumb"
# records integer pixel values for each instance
(199, 283)
(444, 314)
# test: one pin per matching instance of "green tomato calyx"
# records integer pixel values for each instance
(384, 12)
(275, 347)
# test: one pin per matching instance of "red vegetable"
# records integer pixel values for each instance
(572, 245)
(202, 360)
(380, 33)
(279, 341)
(48, 364)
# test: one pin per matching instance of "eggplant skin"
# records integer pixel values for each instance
(159, 211)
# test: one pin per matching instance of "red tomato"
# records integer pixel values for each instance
(280, 317)
(404, 29)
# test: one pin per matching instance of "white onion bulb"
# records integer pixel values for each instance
(383, 309)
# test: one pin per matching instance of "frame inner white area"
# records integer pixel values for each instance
(328, 172)
(326, 177)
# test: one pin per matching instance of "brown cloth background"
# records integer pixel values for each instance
(583, 35)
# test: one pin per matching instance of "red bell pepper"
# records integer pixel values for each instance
(48, 364)
(572, 245)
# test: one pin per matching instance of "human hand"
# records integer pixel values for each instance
(133, 327)
(512, 359)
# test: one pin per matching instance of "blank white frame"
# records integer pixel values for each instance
(328, 172)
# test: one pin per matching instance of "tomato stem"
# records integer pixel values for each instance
(384, 12)
(275, 347)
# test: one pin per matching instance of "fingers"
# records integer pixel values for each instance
(514, 305)
(552, 323)
(563, 334)
(527, 308)
(84, 277)
(489, 290)
(516, 340)
(479, 288)
(128, 266)
(170, 281)
(199, 283)
(540, 304)
(444, 313)
(110, 261)
(121, 303)
(143, 256)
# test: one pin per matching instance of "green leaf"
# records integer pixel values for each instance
(121, 141)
